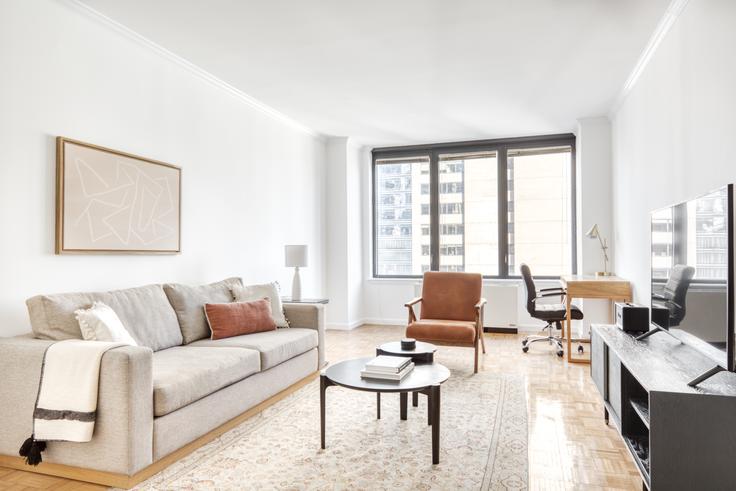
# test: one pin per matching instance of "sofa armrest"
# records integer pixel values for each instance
(310, 316)
(123, 435)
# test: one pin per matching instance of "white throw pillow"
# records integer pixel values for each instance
(101, 323)
(256, 292)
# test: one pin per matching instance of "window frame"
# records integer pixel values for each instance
(500, 146)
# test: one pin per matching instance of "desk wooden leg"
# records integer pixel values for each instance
(568, 300)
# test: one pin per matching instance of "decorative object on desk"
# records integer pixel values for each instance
(594, 233)
(114, 202)
(296, 257)
(387, 368)
(631, 317)
(408, 344)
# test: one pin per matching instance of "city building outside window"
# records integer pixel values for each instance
(482, 207)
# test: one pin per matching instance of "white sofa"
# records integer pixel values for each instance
(155, 398)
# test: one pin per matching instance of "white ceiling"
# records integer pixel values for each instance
(408, 71)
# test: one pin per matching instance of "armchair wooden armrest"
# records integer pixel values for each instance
(413, 302)
(410, 306)
(480, 303)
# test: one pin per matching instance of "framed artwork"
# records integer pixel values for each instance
(114, 202)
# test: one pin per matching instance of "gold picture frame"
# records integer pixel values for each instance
(113, 202)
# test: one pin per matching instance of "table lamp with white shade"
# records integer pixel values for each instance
(296, 257)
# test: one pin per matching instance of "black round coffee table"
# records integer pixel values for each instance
(424, 379)
(422, 353)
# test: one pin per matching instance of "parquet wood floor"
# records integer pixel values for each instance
(570, 446)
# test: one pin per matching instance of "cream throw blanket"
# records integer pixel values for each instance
(66, 404)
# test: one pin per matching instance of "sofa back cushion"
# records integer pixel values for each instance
(188, 303)
(144, 311)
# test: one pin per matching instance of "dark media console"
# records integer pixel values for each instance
(680, 437)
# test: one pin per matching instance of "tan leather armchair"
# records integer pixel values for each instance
(451, 313)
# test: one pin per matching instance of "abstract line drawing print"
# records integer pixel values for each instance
(114, 202)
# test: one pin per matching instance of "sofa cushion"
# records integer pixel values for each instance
(267, 290)
(144, 311)
(442, 331)
(184, 374)
(52, 316)
(188, 303)
(275, 346)
(234, 319)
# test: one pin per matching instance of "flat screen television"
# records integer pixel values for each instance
(692, 275)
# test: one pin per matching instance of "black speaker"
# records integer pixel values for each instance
(632, 317)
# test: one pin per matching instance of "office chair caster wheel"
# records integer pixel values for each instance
(560, 353)
(525, 349)
(524, 342)
(581, 350)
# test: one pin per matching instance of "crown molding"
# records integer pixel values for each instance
(669, 18)
(191, 68)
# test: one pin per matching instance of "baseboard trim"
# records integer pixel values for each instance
(501, 330)
(127, 482)
(384, 322)
(344, 326)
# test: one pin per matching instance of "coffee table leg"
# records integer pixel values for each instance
(378, 405)
(404, 399)
(415, 399)
(323, 384)
(435, 398)
(429, 407)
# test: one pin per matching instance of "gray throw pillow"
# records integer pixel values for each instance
(188, 303)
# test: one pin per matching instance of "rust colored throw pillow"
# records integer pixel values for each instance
(233, 319)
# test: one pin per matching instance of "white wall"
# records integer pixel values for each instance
(593, 173)
(251, 182)
(344, 251)
(673, 134)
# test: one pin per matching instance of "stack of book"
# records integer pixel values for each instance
(388, 368)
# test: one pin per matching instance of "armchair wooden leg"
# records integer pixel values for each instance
(482, 341)
(475, 370)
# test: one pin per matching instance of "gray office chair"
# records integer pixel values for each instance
(551, 313)
(673, 297)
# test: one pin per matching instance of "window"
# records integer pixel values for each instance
(539, 210)
(400, 237)
(468, 212)
(482, 207)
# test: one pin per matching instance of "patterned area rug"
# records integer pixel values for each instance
(483, 443)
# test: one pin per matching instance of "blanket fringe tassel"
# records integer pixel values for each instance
(31, 450)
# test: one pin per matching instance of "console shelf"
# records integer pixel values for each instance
(643, 466)
(641, 408)
(680, 437)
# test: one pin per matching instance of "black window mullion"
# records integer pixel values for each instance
(434, 212)
(503, 213)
